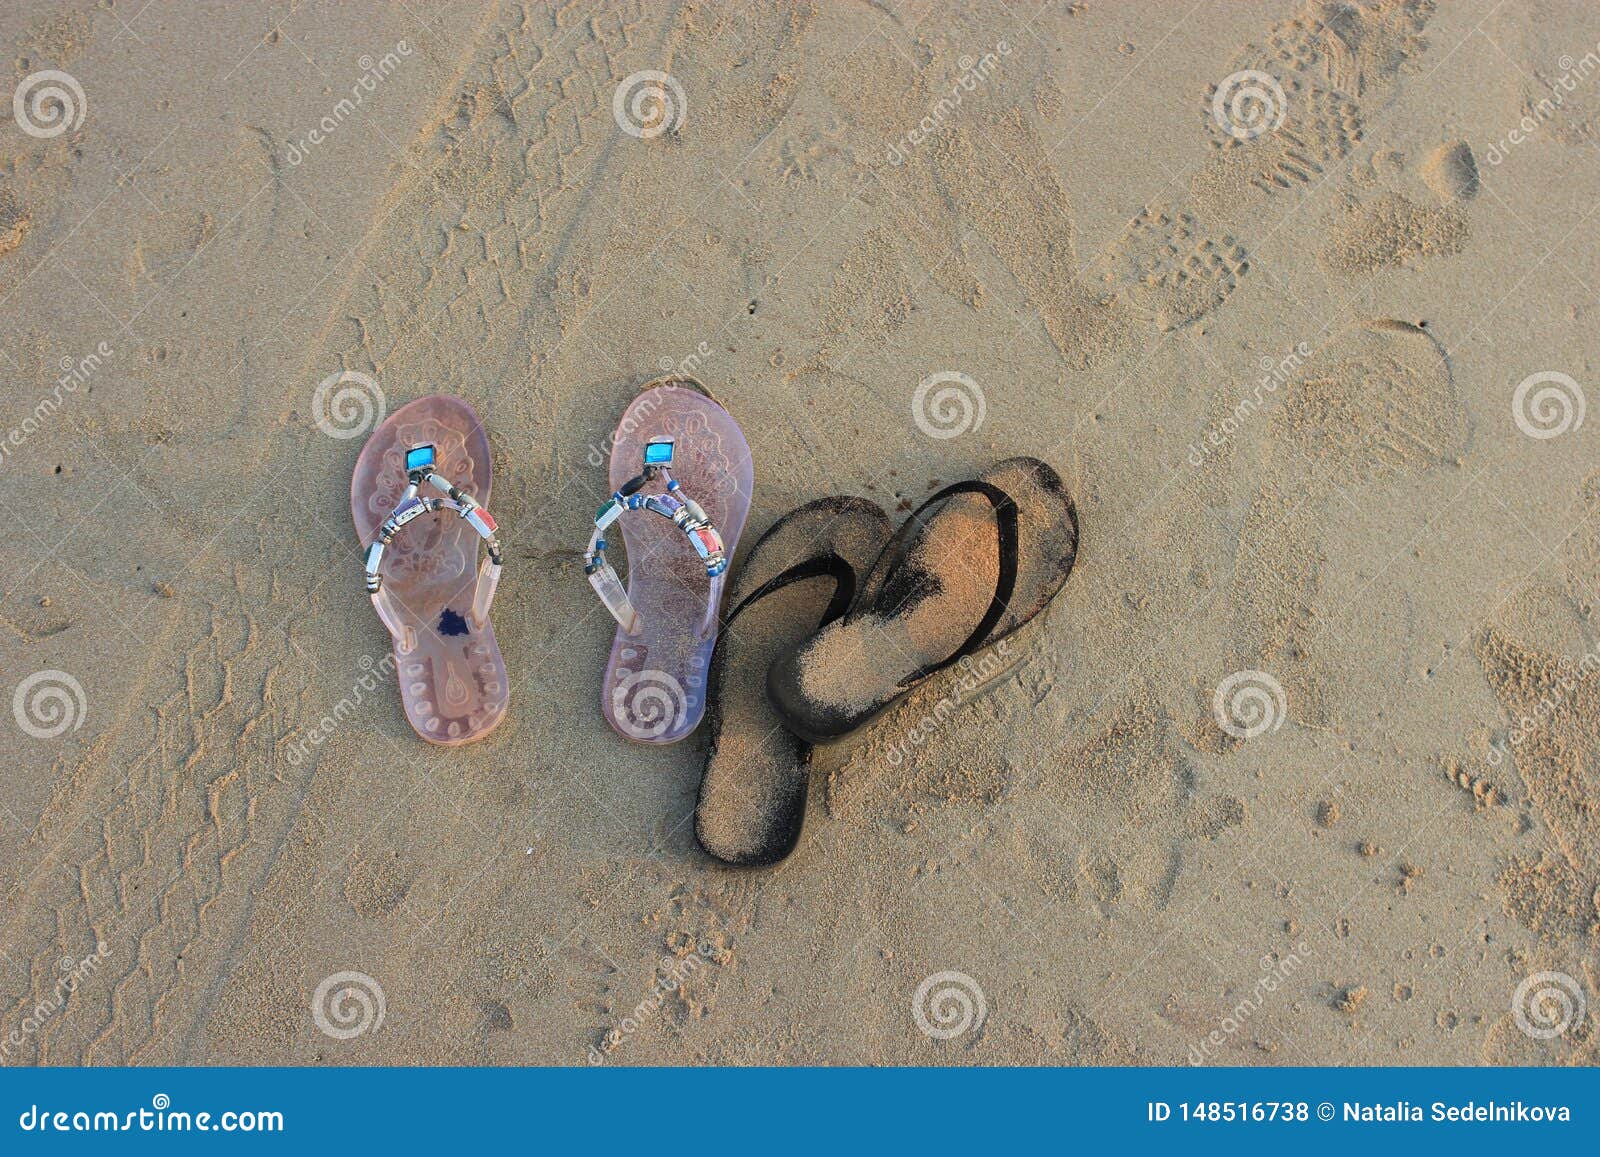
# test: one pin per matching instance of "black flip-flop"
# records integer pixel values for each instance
(970, 566)
(801, 575)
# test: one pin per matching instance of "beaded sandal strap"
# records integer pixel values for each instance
(413, 505)
(675, 505)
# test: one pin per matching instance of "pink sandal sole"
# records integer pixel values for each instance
(655, 680)
(452, 677)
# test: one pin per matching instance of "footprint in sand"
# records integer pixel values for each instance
(1412, 216)
(1169, 270)
(1377, 401)
(1137, 807)
(1288, 109)
(1553, 703)
(1451, 171)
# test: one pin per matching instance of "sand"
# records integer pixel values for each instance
(1278, 372)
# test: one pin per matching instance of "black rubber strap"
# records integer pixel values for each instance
(817, 566)
(831, 565)
(1005, 510)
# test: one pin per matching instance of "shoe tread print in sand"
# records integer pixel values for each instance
(1288, 108)
(452, 677)
(1285, 111)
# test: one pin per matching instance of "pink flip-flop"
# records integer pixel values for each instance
(416, 498)
(681, 479)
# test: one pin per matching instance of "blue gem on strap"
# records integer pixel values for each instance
(419, 458)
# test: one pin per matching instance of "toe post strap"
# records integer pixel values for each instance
(674, 505)
(413, 504)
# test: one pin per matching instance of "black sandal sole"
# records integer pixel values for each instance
(752, 813)
(893, 590)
